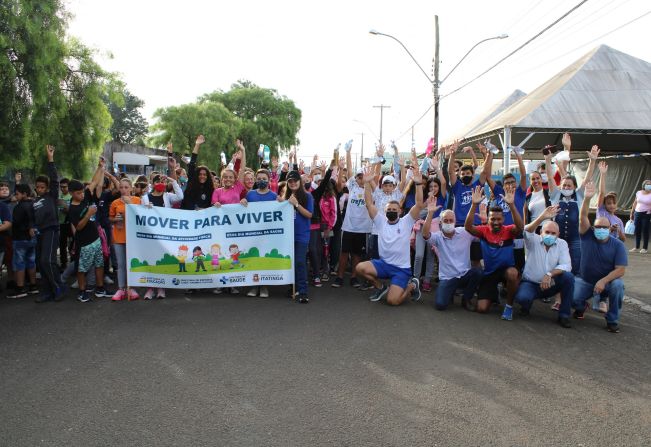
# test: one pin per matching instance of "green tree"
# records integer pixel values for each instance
(129, 126)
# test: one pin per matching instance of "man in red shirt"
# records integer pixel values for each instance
(497, 250)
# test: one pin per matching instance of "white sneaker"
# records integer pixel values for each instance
(634, 250)
(235, 291)
(74, 285)
(264, 292)
(644, 251)
(108, 280)
(253, 292)
(217, 291)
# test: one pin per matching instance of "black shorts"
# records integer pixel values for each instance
(475, 251)
(353, 243)
(488, 284)
(518, 254)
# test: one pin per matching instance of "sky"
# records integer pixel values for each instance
(321, 55)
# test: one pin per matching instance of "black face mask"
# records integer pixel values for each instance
(466, 179)
(392, 215)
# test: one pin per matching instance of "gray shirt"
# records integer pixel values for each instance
(454, 252)
(541, 260)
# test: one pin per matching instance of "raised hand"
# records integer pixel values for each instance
(240, 145)
(590, 190)
(467, 149)
(50, 152)
(369, 174)
(380, 150)
(200, 140)
(434, 164)
(18, 176)
(482, 149)
(455, 145)
(551, 212)
(170, 148)
(594, 152)
(509, 195)
(567, 141)
(301, 165)
(274, 163)
(348, 146)
(293, 200)
(477, 195)
(432, 207)
(603, 167)
(323, 166)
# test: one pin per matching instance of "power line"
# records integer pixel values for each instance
(517, 49)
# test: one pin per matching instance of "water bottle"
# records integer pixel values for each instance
(348, 146)
(518, 150)
(596, 298)
(491, 147)
(223, 158)
(393, 145)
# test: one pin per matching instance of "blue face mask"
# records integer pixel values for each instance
(262, 184)
(601, 233)
(549, 239)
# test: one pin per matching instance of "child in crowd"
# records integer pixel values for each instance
(24, 243)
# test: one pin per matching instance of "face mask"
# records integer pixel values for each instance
(543, 177)
(183, 179)
(549, 239)
(567, 192)
(263, 184)
(316, 178)
(159, 187)
(392, 215)
(447, 227)
(601, 233)
(647, 187)
(466, 179)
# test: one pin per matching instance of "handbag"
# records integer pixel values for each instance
(629, 228)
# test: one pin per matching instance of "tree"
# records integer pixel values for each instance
(129, 126)
(51, 89)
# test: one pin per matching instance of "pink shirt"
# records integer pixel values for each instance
(643, 202)
(328, 211)
(228, 196)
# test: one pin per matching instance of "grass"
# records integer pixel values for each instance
(246, 265)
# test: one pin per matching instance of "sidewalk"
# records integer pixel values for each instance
(638, 274)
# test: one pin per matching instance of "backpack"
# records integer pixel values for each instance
(106, 250)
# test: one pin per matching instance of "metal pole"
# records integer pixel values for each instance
(507, 150)
(381, 107)
(435, 84)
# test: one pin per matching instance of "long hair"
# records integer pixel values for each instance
(431, 180)
(301, 195)
(195, 188)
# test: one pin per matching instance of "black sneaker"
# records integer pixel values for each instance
(33, 289)
(83, 297)
(354, 283)
(565, 322)
(18, 293)
(366, 285)
(613, 327)
(338, 282)
(44, 298)
(379, 293)
(415, 294)
(100, 292)
(578, 314)
(303, 299)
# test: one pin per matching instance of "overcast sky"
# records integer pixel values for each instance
(322, 56)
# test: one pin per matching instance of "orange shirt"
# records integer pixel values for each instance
(120, 228)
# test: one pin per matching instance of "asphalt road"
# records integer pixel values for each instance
(213, 370)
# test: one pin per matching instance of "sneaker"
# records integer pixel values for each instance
(74, 285)
(264, 292)
(556, 306)
(507, 314)
(612, 327)
(160, 294)
(33, 289)
(427, 286)
(83, 297)
(354, 282)
(60, 293)
(325, 277)
(379, 293)
(415, 294)
(217, 291)
(235, 291)
(101, 292)
(316, 282)
(133, 295)
(643, 252)
(603, 307)
(578, 314)
(366, 285)
(149, 294)
(338, 282)
(546, 300)
(108, 280)
(44, 298)
(565, 322)
(119, 295)
(634, 250)
(18, 293)
(303, 299)
(253, 291)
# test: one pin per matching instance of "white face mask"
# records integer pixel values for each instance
(567, 192)
(447, 227)
(647, 187)
(316, 178)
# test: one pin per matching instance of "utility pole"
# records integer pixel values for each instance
(381, 107)
(435, 84)
(361, 153)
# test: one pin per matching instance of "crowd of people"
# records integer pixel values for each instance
(399, 229)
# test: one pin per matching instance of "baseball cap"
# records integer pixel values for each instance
(388, 179)
(359, 171)
(294, 175)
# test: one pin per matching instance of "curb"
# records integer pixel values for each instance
(641, 304)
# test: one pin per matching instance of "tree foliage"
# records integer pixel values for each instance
(129, 126)
(254, 114)
(51, 89)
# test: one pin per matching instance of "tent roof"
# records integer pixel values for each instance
(604, 92)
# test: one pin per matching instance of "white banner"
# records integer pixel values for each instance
(217, 247)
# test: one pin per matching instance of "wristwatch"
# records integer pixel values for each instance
(548, 274)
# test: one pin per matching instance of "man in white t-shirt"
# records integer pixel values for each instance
(355, 227)
(393, 241)
(387, 192)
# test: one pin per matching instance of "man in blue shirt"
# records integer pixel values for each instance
(603, 264)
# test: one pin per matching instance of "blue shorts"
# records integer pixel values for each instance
(24, 255)
(399, 276)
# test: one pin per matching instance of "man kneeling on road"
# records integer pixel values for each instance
(393, 241)
(548, 267)
(603, 264)
(497, 250)
(453, 246)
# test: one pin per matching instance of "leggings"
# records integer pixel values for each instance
(642, 229)
(423, 248)
(121, 255)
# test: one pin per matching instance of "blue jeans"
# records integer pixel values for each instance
(575, 254)
(447, 287)
(563, 283)
(614, 291)
(300, 267)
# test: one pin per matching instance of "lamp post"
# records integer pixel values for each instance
(435, 83)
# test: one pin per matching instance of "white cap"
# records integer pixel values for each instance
(359, 171)
(388, 179)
